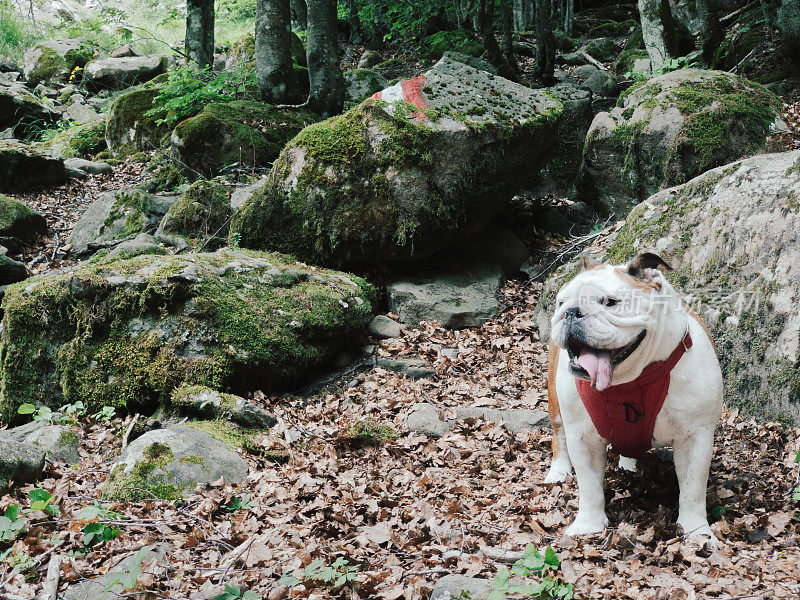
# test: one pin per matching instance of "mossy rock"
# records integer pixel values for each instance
(19, 220)
(129, 128)
(627, 58)
(242, 51)
(126, 333)
(56, 62)
(388, 181)
(363, 83)
(167, 464)
(603, 49)
(202, 213)
(24, 113)
(460, 40)
(80, 141)
(670, 128)
(241, 133)
(732, 236)
(204, 402)
(23, 167)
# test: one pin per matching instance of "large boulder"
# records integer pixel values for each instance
(58, 442)
(128, 332)
(130, 128)
(242, 133)
(23, 167)
(55, 62)
(402, 175)
(23, 113)
(362, 83)
(668, 129)
(79, 141)
(11, 271)
(169, 463)
(202, 213)
(117, 216)
(19, 221)
(733, 238)
(120, 73)
(20, 463)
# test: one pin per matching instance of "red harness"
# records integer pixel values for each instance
(625, 414)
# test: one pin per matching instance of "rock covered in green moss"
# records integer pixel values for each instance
(603, 49)
(668, 129)
(117, 216)
(242, 133)
(389, 181)
(80, 141)
(20, 463)
(362, 83)
(202, 401)
(202, 213)
(732, 236)
(170, 463)
(58, 442)
(128, 332)
(11, 271)
(129, 128)
(54, 62)
(22, 112)
(18, 220)
(23, 167)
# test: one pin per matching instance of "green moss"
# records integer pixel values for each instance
(239, 438)
(68, 438)
(202, 213)
(129, 128)
(625, 60)
(146, 480)
(460, 40)
(81, 141)
(19, 220)
(369, 432)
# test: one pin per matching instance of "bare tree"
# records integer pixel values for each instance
(200, 33)
(324, 73)
(546, 41)
(274, 68)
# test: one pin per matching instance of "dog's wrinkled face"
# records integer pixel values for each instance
(604, 314)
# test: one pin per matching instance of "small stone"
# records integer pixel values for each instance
(413, 368)
(384, 327)
(424, 418)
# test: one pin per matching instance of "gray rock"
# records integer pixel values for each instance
(602, 49)
(242, 194)
(124, 51)
(87, 166)
(475, 63)
(585, 71)
(573, 58)
(8, 65)
(120, 73)
(384, 327)
(116, 216)
(23, 167)
(733, 238)
(8, 79)
(208, 403)
(24, 113)
(363, 83)
(59, 442)
(82, 113)
(142, 244)
(129, 128)
(464, 299)
(461, 587)
(414, 368)
(369, 59)
(601, 83)
(424, 418)
(170, 463)
(657, 138)
(107, 585)
(514, 420)
(403, 186)
(18, 220)
(20, 463)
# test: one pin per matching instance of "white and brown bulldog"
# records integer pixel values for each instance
(632, 366)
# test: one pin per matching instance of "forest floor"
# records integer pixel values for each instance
(408, 510)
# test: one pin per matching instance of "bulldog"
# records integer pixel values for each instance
(631, 365)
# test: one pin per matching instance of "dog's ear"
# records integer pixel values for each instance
(588, 262)
(646, 260)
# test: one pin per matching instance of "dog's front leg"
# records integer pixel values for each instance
(692, 463)
(588, 453)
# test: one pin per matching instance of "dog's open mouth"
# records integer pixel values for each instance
(596, 365)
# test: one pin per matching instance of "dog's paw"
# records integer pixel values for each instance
(557, 475)
(587, 525)
(701, 536)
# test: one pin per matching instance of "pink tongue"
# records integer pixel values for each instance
(598, 365)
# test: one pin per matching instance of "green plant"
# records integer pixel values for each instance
(43, 413)
(15, 32)
(106, 414)
(240, 503)
(187, 91)
(532, 564)
(98, 533)
(234, 592)
(40, 501)
(796, 494)
(128, 579)
(11, 523)
(340, 573)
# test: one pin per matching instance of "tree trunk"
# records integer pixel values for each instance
(299, 14)
(324, 72)
(508, 30)
(546, 41)
(660, 32)
(524, 15)
(200, 33)
(789, 26)
(569, 15)
(274, 69)
(711, 35)
(485, 17)
(356, 36)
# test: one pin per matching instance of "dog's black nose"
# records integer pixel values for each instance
(573, 312)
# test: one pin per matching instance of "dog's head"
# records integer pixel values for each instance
(605, 313)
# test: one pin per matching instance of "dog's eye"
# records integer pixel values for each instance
(611, 301)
